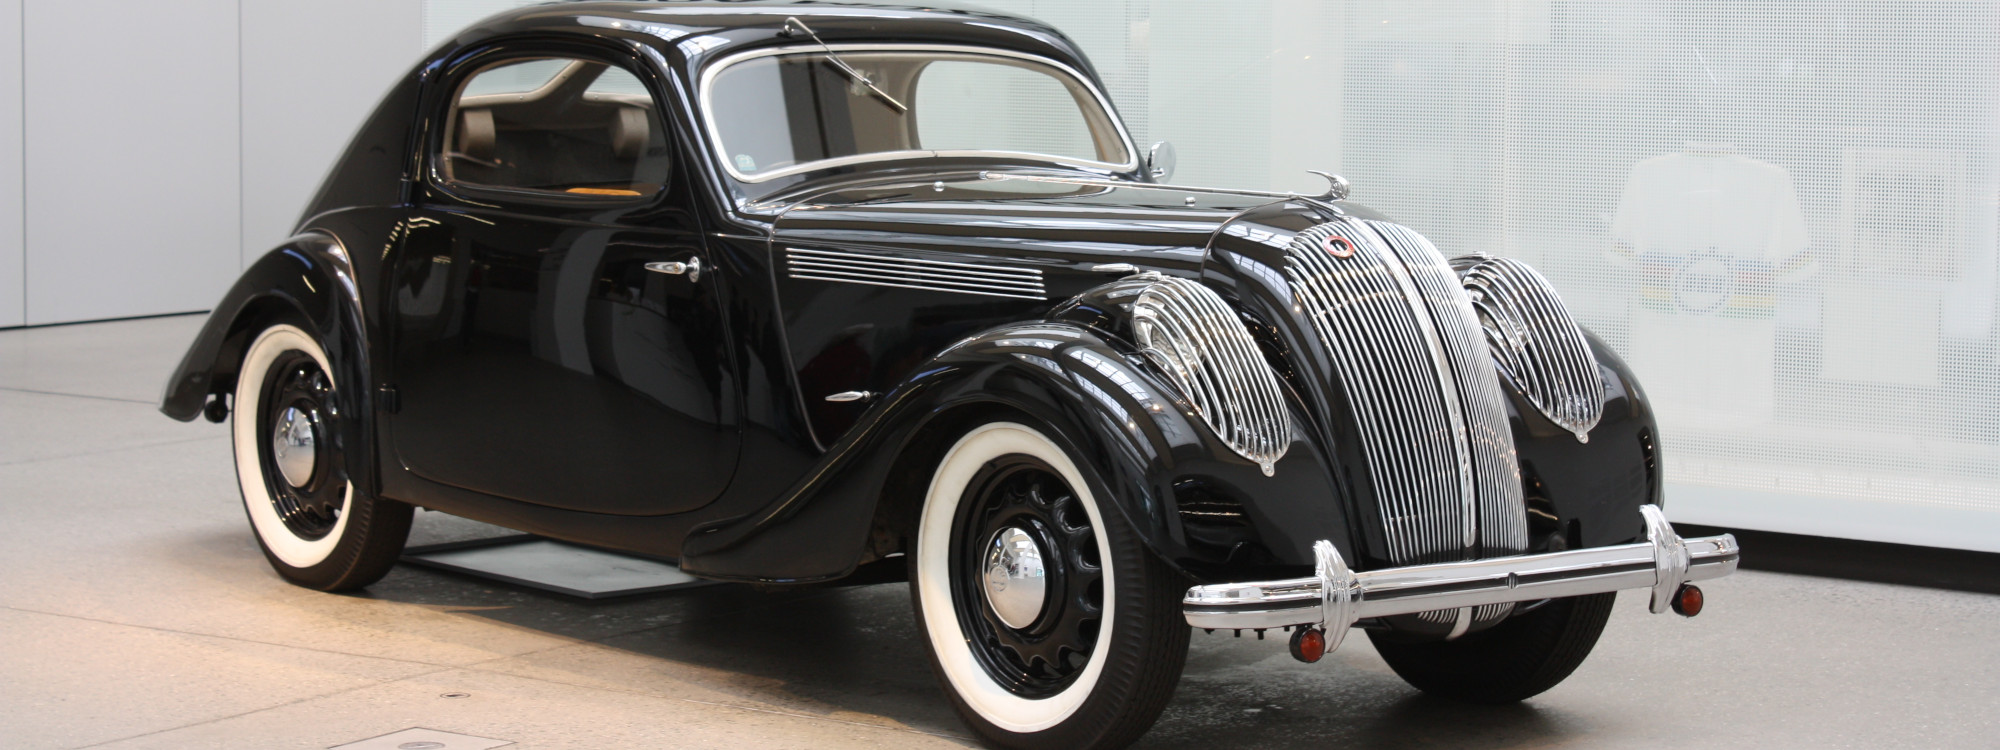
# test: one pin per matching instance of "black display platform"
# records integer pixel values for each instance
(549, 565)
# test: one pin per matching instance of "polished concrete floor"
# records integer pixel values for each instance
(135, 611)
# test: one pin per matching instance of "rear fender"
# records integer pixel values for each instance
(308, 281)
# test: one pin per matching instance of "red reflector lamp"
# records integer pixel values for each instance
(1308, 644)
(1687, 601)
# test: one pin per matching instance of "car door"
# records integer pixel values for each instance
(555, 340)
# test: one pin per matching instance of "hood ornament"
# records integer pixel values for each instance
(1336, 187)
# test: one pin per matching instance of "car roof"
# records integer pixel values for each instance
(689, 31)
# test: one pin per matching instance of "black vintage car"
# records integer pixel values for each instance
(780, 290)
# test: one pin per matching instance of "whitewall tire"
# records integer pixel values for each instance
(1047, 620)
(313, 525)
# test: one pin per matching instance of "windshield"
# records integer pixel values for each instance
(777, 114)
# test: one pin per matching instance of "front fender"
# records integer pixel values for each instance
(310, 281)
(1194, 502)
(1588, 494)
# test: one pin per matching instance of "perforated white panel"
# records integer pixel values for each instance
(1782, 214)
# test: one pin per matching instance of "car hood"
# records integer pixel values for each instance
(1050, 224)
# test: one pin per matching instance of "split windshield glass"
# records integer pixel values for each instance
(785, 113)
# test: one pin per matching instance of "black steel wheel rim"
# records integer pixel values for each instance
(312, 508)
(1047, 655)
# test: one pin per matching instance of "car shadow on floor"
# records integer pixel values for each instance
(855, 654)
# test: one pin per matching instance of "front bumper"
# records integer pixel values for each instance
(1335, 597)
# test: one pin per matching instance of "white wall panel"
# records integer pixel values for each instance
(132, 202)
(13, 278)
(311, 73)
(444, 18)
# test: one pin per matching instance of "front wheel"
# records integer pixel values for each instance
(1050, 624)
(1512, 661)
(316, 528)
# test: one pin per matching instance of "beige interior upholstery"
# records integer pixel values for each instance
(629, 133)
(476, 135)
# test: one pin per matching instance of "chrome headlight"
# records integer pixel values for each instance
(1209, 356)
(1535, 341)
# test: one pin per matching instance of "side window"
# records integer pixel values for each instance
(558, 125)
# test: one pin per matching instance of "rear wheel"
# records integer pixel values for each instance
(1050, 623)
(315, 527)
(1512, 661)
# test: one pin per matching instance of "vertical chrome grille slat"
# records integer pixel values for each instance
(1410, 354)
(1364, 316)
(1503, 520)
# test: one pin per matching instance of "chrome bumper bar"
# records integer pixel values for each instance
(1336, 597)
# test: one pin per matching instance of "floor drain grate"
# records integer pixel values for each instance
(417, 738)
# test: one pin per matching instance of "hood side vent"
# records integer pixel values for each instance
(881, 269)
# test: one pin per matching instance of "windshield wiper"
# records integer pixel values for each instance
(794, 22)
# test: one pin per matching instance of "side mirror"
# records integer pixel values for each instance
(1160, 161)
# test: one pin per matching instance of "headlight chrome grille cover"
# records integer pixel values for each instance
(1208, 354)
(1535, 341)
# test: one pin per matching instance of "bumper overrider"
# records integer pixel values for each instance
(1335, 597)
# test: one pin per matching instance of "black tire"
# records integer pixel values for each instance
(317, 529)
(1510, 662)
(1007, 476)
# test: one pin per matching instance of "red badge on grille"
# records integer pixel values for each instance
(1338, 246)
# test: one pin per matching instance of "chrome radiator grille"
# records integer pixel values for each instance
(1405, 343)
(1503, 517)
(1535, 342)
(1203, 347)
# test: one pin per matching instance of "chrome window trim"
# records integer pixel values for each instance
(706, 89)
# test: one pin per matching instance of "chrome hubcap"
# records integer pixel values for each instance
(294, 447)
(1015, 586)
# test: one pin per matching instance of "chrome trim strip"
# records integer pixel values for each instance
(709, 73)
(1024, 177)
(871, 269)
(1204, 349)
(1343, 596)
(1535, 341)
(912, 265)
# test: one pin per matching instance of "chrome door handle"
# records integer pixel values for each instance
(691, 268)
